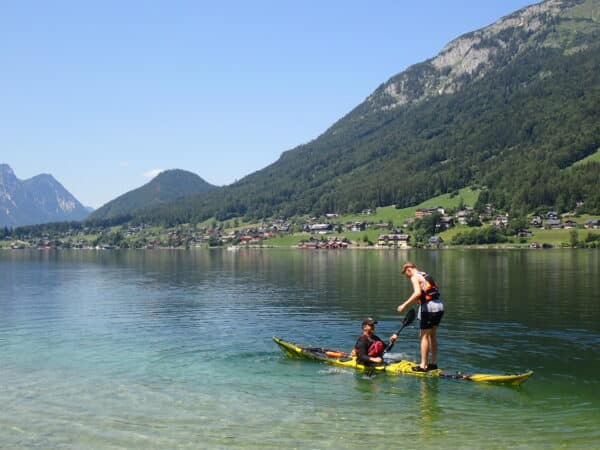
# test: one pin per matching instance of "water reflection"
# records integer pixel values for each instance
(430, 410)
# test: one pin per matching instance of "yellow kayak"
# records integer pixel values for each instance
(339, 358)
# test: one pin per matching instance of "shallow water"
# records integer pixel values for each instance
(173, 349)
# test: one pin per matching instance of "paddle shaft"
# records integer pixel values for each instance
(410, 317)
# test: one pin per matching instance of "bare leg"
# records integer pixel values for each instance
(425, 344)
(433, 345)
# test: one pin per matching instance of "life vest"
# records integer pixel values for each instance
(376, 348)
(429, 290)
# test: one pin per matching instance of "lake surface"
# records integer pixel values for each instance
(173, 349)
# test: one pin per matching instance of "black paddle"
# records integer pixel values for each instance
(408, 319)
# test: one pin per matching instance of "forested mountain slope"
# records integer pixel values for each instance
(507, 107)
(166, 186)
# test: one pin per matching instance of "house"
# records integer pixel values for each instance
(462, 217)
(331, 243)
(552, 220)
(331, 216)
(356, 226)
(500, 221)
(524, 233)
(436, 240)
(228, 237)
(536, 221)
(570, 224)
(379, 226)
(321, 228)
(553, 223)
(335, 242)
(592, 224)
(279, 225)
(446, 222)
(487, 212)
(423, 212)
(394, 240)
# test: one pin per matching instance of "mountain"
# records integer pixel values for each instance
(40, 199)
(507, 108)
(166, 186)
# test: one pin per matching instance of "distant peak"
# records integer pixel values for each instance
(44, 177)
(7, 175)
(39, 199)
(5, 168)
(169, 172)
(177, 174)
(167, 186)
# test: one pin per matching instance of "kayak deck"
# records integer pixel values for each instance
(343, 359)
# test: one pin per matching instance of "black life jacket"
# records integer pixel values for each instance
(429, 290)
(376, 346)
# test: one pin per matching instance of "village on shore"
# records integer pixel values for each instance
(429, 228)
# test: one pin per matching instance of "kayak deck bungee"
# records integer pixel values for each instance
(343, 359)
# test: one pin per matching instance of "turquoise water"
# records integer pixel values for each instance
(173, 349)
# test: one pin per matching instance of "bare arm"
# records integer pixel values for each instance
(415, 295)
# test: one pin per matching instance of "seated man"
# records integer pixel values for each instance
(369, 348)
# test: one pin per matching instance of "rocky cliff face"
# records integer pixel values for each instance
(40, 199)
(553, 23)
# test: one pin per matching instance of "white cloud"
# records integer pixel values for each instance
(152, 173)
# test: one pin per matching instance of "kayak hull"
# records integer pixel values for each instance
(342, 359)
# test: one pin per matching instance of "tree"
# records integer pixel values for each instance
(213, 241)
(429, 224)
(515, 225)
(573, 238)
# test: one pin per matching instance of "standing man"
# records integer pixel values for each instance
(431, 310)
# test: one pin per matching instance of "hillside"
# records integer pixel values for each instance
(40, 199)
(166, 186)
(505, 107)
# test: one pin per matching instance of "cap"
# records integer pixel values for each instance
(368, 321)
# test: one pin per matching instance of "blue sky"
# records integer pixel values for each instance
(103, 94)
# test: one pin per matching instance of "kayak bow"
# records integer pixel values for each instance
(343, 359)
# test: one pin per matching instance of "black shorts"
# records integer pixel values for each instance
(430, 319)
